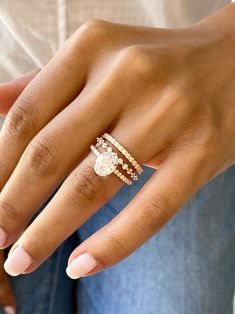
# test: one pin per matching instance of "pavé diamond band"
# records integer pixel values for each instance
(124, 152)
(108, 161)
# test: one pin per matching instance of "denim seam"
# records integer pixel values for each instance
(55, 281)
(89, 295)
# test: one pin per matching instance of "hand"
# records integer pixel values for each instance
(166, 95)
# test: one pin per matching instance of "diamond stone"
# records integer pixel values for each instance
(105, 164)
(104, 145)
(125, 166)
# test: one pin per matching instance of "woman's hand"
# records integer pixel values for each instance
(166, 95)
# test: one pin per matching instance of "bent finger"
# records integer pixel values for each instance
(44, 163)
(79, 197)
(57, 84)
(159, 199)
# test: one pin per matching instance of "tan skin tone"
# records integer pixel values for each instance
(166, 95)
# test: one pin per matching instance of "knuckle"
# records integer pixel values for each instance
(34, 247)
(86, 185)
(137, 60)
(87, 38)
(116, 244)
(92, 31)
(93, 25)
(9, 214)
(42, 157)
(209, 140)
(156, 212)
(20, 121)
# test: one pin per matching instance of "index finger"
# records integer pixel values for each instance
(45, 96)
(11, 90)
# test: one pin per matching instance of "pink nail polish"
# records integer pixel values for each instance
(81, 265)
(9, 310)
(17, 262)
(3, 237)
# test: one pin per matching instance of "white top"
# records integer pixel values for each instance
(32, 31)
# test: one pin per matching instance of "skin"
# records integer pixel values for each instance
(166, 95)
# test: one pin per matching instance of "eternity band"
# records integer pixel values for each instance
(128, 156)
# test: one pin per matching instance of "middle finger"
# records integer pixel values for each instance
(40, 101)
(51, 156)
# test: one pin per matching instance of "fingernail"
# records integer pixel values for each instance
(3, 237)
(81, 265)
(9, 310)
(17, 262)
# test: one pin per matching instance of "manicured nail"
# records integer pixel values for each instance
(81, 265)
(9, 310)
(3, 237)
(17, 262)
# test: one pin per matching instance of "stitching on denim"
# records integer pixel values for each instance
(55, 279)
(89, 295)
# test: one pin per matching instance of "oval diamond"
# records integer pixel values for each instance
(105, 164)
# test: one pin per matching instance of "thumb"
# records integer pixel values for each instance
(11, 90)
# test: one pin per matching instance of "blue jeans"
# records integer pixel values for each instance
(187, 268)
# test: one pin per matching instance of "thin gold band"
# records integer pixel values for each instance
(124, 152)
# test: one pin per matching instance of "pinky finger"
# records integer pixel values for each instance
(160, 198)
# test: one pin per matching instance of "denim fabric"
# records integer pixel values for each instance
(187, 268)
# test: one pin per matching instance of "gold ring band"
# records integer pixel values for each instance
(125, 153)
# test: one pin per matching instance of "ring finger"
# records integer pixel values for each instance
(82, 193)
(40, 102)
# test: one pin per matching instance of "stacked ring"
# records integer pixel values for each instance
(125, 167)
(125, 153)
(104, 167)
(108, 161)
